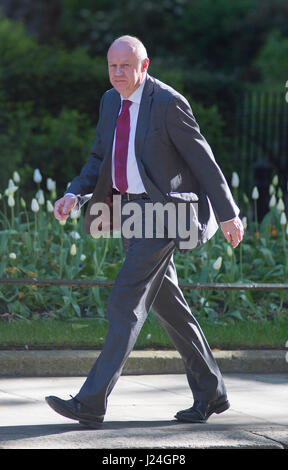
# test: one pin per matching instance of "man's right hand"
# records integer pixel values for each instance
(63, 206)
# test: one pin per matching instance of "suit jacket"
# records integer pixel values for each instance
(175, 162)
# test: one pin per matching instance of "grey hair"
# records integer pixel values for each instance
(135, 43)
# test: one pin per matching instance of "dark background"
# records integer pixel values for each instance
(229, 58)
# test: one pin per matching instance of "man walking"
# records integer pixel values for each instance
(149, 150)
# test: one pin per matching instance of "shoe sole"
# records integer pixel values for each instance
(219, 409)
(63, 412)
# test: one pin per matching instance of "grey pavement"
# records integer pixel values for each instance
(141, 414)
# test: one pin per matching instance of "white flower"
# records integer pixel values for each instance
(34, 205)
(51, 184)
(148, 336)
(73, 250)
(255, 193)
(37, 177)
(40, 197)
(75, 235)
(62, 222)
(235, 180)
(244, 222)
(75, 214)
(272, 201)
(280, 205)
(11, 188)
(11, 201)
(283, 219)
(229, 251)
(218, 263)
(82, 257)
(275, 180)
(271, 189)
(49, 206)
(16, 177)
(12, 255)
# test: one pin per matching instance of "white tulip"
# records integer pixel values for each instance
(244, 222)
(283, 219)
(11, 201)
(280, 205)
(218, 263)
(11, 188)
(16, 177)
(83, 257)
(73, 250)
(272, 201)
(62, 222)
(275, 180)
(49, 206)
(229, 251)
(51, 184)
(37, 177)
(40, 197)
(235, 180)
(34, 205)
(271, 189)
(75, 235)
(255, 193)
(12, 255)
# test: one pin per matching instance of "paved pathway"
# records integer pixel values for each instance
(141, 415)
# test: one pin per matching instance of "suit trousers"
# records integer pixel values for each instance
(148, 279)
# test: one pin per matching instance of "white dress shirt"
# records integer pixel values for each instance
(134, 180)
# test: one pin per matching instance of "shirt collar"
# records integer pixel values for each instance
(137, 94)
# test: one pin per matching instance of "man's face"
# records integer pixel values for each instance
(126, 71)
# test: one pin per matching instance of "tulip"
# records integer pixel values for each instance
(272, 201)
(73, 250)
(34, 205)
(51, 184)
(49, 206)
(244, 222)
(229, 251)
(16, 177)
(235, 180)
(218, 263)
(12, 255)
(255, 193)
(280, 205)
(22, 202)
(75, 235)
(37, 177)
(275, 180)
(283, 219)
(40, 197)
(271, 189)
(11, 201)
(83, 257)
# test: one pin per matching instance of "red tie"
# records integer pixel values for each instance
(121, 147)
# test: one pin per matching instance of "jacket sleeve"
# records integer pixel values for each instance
(85, 182)
(185, 134)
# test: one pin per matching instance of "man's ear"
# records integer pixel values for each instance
(145, 64)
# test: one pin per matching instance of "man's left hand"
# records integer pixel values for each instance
(233, 231)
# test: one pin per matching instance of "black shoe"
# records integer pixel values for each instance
(201, 410)
(74, 409)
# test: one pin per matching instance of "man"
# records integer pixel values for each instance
(149, 150)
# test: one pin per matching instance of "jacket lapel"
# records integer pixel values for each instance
(143, 117)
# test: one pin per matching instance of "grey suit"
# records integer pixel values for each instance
(176, 165)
